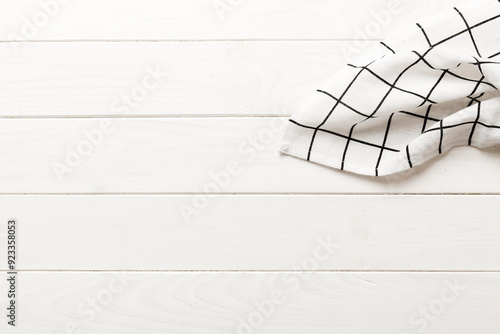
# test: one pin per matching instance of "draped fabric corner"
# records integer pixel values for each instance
(426, 90)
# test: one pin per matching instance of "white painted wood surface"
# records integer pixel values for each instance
(400, 241)
(200, 20)
(153, 155)
(219, 78)
(377, 303)
(255, 232)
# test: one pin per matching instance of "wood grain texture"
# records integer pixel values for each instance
(203, 78)
(255, 232)
(200, 20)
(199, 303)
(343, 252)
(182, 155)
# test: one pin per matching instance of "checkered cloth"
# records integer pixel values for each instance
(424, 91)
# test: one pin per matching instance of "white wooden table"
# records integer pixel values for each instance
(139, 156)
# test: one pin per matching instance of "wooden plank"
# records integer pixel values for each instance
(378, 303)
(201, 19)
(254, 232)
(203, 78)
(181, 155)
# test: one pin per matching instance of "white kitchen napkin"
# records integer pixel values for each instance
(426, 90)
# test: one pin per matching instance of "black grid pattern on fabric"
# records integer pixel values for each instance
(426, 99)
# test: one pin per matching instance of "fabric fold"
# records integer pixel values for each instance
(432, 87)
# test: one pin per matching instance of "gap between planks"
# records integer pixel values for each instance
(239, 116)
(193, 40)
(249, 194)
(252, 271)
